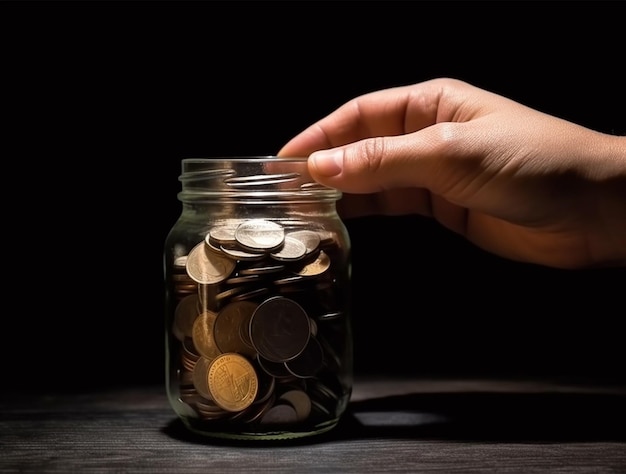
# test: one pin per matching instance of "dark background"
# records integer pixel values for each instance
(102, 100)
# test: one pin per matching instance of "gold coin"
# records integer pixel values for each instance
(233, 382)
(203, 336)
(227, 330)
(184, 316)
(200, 378)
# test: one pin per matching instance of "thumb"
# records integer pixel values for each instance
(377, 164)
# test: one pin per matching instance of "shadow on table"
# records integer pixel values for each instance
(491, 417)
(475, 416)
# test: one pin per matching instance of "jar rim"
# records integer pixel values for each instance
(245, 159)
(252, 177)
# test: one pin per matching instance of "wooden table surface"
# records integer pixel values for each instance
(392, 425)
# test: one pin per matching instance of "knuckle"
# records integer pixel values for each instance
(371, 154)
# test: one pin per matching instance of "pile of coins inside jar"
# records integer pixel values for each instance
(259, 323)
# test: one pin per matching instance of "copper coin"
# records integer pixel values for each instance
(227, 327)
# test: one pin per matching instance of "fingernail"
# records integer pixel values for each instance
(328, 162)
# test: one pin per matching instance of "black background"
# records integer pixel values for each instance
(102, 100)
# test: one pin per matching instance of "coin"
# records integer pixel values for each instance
(260, 234)
(300, 401)
(291, 251)
(188, 354)
(184, 316)
(208, 267)
(275, 369)
(290, 280)
(238, 254)
(248, 295)
(308, 362)
(255, 347)
(242, 280)
(203, 339)
(279, 329)
(227, 327)
(207, 296)
(223, 234)
(328, 238)
(309, 238)
(200, 377)
(179, 263)
(317, 266)
(233, 383)
(280, 415)
(209, 410)
(262, 269)
(267, 384)
(231, 292)
(330, 316)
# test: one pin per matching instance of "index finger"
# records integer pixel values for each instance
(388, 112)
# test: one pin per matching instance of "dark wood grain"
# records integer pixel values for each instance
(393, 425)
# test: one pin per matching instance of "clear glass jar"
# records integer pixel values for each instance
(257, 299)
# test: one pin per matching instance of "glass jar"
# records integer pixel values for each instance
(257, 300)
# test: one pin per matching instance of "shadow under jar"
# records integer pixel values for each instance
(257, 299)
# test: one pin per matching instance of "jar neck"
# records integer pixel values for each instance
(228, 208)
(255, 181)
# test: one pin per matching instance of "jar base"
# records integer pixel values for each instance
(277, 435)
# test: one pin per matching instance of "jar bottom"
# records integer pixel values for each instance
(277, 435)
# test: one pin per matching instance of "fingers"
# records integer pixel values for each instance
(417, 160)
(394, 138)
(434, 136)
(389, 112)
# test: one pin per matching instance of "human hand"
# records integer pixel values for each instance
(514, 181)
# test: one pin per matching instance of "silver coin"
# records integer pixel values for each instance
(275, 369)
(206, 266)
(300, 401)
(260, 235)
(280, 415)
(243, 255)
(261, 269)
(222, 235)
(279, 329)
(248, 295)
(291, 251)
(308, 362)
(309, 238)
(180, 262)
(242, 280)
